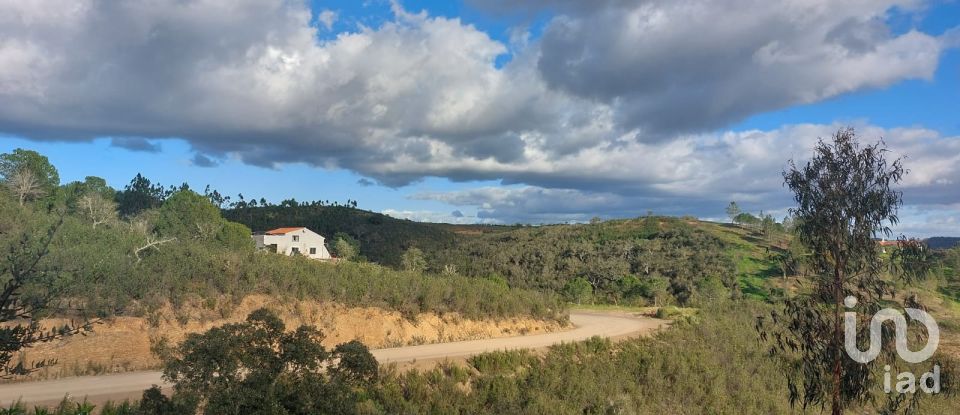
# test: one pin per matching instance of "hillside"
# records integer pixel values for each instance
(184, 251)
(643, 261)
(942, 242)
(640, 261)
(382, 239)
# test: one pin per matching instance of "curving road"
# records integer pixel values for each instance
(130, 385)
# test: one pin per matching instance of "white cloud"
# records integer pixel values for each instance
(436, 217)
(327, 18)
(926, 221)
(699, 174)
(611, 104)
(670, 66)
(254, 79)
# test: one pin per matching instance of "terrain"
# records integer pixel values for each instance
(586, 324)
(125, 343)
(149, 266)
(645, 261)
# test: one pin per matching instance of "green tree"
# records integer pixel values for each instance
(629, 287)
(140, 195)
(31, 287)
(711, 290)
(234, 235)
(656, 289)
(767, 224)
(413, 260)
(94, 184)
(38, 165)
(578, 289)
(344, 250)
(732, 211)
(746, 219)
(256, 367)
(70, 194)
(844, 198)
(789, 261)
(186, 214)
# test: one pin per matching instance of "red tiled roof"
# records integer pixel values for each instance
(283, 231)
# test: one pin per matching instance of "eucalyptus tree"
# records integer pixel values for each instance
(732, 211)
(845, 198)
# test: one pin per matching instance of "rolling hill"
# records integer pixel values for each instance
(641, 260)
(383, 239)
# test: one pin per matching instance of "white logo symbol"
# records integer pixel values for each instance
(889, 314)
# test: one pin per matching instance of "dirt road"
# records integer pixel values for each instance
(130, 385)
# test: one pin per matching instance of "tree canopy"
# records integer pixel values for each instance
(186, 214)
(845, 197)
(38, 165)
(256, 367)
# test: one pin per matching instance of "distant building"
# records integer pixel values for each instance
(293, 241)
(884, 244)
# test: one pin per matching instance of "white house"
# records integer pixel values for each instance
(293, 241)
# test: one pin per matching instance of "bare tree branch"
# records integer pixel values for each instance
(151, 243)
(25, 185)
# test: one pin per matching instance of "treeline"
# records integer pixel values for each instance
(143, 194)
(176, 247)
(651, 260)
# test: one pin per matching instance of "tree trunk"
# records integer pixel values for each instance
(837, 339)
(785, 281)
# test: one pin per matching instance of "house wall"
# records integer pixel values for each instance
(285, 244)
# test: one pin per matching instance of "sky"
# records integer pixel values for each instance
(526, 111)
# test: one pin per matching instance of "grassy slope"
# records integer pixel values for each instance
(759, 277)
(748, 249)
(757, 274)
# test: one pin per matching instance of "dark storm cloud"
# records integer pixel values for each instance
(135, 144)
(200, 160)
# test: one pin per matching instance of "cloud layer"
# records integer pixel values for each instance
(614, 102)
(700, 174)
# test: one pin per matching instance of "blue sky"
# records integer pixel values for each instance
(535, 111)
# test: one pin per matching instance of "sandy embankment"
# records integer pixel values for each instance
(123, 344)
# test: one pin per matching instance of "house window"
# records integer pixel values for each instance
(294, 251)
(313, 251)
(296, 238)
